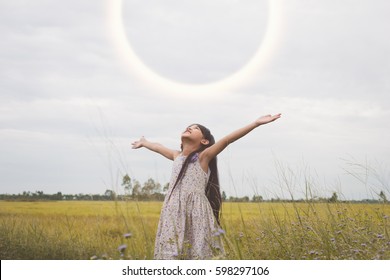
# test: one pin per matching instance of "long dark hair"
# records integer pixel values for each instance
(213, 192)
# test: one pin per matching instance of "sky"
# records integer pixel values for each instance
(81, 80)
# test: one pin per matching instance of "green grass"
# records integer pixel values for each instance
(84, 230)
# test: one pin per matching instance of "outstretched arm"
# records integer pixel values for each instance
(155, 147)
(211, 152)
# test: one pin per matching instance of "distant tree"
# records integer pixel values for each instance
(126, 183)
(110, 194)
(136, 188)
(166, 187)
(150, 187)
(383, 197)
(334, 198)
(38, 193)
(257, 198)
(57, 196)
(224, 196)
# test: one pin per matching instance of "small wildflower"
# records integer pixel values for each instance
(333, 239)
(122, 248)
(219, 232)
(363, 245)
(380, 236)
(127, 235)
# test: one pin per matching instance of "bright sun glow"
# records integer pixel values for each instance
(243, 75)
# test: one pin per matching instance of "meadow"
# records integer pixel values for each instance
(74, 230)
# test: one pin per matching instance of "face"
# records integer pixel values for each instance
(194, 133)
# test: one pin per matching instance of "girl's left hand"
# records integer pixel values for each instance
(267, 119)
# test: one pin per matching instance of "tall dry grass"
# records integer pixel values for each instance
(115, 230)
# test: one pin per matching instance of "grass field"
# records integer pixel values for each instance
(98, 230)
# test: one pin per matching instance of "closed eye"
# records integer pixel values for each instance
(195, 127)
(192, 127)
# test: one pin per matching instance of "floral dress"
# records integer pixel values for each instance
(187, 228)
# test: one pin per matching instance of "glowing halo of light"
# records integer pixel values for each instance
(245, 73)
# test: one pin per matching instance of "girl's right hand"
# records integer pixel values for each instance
(138, 144)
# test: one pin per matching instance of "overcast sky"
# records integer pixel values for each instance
(72, 100)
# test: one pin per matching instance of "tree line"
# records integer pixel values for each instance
(151, 190)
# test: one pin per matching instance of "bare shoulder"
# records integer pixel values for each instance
(175, 154)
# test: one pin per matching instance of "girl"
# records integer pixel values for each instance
(189, 220)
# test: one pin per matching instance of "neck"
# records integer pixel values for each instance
(188, 148)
